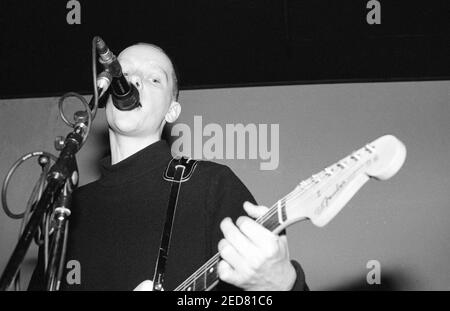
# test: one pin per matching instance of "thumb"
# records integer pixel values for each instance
(146, 286)
(255, 211)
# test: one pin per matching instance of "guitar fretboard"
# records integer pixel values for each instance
(206, 277)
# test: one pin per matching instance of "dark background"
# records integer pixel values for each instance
(226, 43)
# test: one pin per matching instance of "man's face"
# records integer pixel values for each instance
(150, 70)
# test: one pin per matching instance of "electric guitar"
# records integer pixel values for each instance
(318, 198)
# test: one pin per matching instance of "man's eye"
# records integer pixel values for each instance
(156, 80)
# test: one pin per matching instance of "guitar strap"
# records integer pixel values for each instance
(179, 170)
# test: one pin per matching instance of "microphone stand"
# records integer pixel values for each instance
(62, 178)
(58, 247)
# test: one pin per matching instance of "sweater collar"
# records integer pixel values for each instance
(147, 159)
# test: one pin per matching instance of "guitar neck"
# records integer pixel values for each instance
(319, 198)
(206, 277)
(275, 220)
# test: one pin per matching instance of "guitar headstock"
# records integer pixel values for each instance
(390, 154)
(322, 196)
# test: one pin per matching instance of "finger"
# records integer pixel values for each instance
(256, 233)
(230, 255)
(145, 286)
(227, 274)
(236, 238)
(255, 211)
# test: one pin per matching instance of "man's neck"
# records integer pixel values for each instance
(124, 146)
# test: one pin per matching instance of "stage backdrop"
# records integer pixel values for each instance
(402, 223)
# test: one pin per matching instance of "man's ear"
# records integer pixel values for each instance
(174, 112)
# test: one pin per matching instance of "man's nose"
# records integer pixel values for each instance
(136, 81)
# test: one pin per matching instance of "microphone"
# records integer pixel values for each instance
(125, 95)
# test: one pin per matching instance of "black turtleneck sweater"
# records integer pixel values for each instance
(116, 222)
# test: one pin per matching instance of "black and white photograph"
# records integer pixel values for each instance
(245, 147)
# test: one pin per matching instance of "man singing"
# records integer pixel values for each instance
(116, 221)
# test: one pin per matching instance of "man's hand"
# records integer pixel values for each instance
(146, 286)
(253, 257)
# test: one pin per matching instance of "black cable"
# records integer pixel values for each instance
(7, 179)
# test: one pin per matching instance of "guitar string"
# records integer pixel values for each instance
(271, 212)
(308, 183)
(208, 265)
(213, 261)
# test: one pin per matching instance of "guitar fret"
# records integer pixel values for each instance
(211, 276)
(283, 209)
(271, 223)
(204, 279)
(199, 283)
